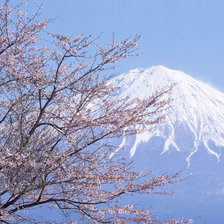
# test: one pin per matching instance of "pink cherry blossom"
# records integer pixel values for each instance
(58, 110)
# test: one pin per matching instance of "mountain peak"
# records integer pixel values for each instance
(159, 73)
(160, 68)
(197, 109)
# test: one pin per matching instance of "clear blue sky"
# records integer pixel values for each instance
(187, 35)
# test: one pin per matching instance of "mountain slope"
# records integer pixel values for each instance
(192, 132)
(196, 113)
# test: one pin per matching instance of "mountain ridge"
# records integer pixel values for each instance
(197, 109)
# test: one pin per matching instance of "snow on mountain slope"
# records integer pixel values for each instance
(197, 110)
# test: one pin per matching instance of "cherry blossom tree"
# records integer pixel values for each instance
(59, 112)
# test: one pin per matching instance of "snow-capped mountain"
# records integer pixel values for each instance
(192, 134)
(196, 111)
